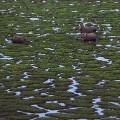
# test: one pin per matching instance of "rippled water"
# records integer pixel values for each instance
(5, 57)
(73, 87)
(104, 59)
(96, 106)
(57, 70)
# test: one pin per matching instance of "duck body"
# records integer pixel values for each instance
(88, 29)
(89, 37)
(18, 39)
(85, 29)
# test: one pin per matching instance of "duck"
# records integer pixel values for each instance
(88, 37)
(85, 29)
(19, 39)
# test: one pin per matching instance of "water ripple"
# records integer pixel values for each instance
(73, 87)
(96, 106)
(104, 59)
(4, 57)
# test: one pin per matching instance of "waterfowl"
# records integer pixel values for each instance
(89, 37)
(85, 29)
(18, 39)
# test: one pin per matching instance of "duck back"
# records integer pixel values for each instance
(19, 39)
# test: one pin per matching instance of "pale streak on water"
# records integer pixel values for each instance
(96, 106)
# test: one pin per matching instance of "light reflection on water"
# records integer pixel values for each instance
(34, 19)
(8, 41)
(29, 97)
(18, 62)
(25, 76)
(56, 29)
(75, 34)
(48, 111)
(43, 35)
(5, 57)
(33, 66)
(114, 118)
(49, 49)
(101, 83)
(46, 94)
(47, 69)
(104, 59)
(73, 87)
(23, 86)
(115, 103)
(74, 84)
(76, 68)
(41, 115)
(61, 104)
(18, 93)
(96, 106)
(113, 10)
(48, 81)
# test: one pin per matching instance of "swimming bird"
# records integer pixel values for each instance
(19, 39)
(85, 29)
(89, 37)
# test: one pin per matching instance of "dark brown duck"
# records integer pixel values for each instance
(18, 39)
(85, 29)
(89, 37)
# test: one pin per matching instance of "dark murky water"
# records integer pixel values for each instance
(57, 69)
